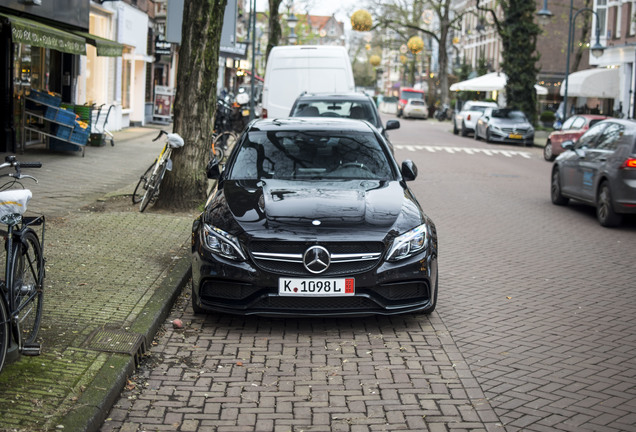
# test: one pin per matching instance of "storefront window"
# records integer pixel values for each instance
(97, 67)
(126, 82)
(28, 68)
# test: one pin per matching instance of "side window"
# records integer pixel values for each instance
(578, 123)
(610, 137)
(589, 138)
(568, 123)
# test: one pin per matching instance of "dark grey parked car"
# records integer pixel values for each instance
(599, 170)
(504, 125)
(350, 105)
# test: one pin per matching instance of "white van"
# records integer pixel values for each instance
(294, 69)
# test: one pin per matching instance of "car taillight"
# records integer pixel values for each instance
(264, 113)
(629, 163)
(468, 117)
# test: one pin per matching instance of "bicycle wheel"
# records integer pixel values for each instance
(4, 332)
(153, 187)
(216, 152)
(138, 194)
(27, 273)
(225, 141)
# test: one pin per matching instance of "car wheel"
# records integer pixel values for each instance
(488, 140)
(455, 130)
(555, 190)
(547, 152)
(604, 209)
(476, 135)
(464, 130)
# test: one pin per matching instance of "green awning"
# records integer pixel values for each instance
(34, 33)
(105, 47)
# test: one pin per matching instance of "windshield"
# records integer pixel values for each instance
(310, 155)
(408, 94)
(325, 108)
(509, 114)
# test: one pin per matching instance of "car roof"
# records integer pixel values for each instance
(334, 96)
(311, 123)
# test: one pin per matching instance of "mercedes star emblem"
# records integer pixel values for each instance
(316, 259)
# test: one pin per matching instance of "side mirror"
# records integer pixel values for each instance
(568, 145)
(409, 170)
(213, 170)
(392, 124)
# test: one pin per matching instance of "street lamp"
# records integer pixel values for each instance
(291, 22)
(597, 49)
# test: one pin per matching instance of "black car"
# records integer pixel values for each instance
(599, 170)
(349, 105)
(313, 217)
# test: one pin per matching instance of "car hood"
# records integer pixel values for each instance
(271, 207)
(520, 124)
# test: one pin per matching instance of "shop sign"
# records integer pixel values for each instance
(164, 101)
(161, 46)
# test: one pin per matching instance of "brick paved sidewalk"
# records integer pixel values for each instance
(110, 279)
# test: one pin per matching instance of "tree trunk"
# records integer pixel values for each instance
(185, 187)
(275, 32)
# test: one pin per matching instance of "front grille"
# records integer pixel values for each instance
(299, 304)
(516, 131)
(286, 258)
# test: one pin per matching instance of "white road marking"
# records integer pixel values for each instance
(467, 150)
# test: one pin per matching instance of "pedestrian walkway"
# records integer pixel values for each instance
(111, 276)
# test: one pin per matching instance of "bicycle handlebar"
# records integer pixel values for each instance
(161, 132)
(12, 161)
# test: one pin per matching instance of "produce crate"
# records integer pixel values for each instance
(80, 135)
(45, 97)
(59, 145)
(65, 117)
(51, 113)
(96, 140)
(61, 131)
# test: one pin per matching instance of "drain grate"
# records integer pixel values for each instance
(117, 341)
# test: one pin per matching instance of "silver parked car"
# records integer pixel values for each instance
(464, 121)
(504, 125)
(599, 170)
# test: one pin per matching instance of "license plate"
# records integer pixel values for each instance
(515, 136)
(246, 112)
(316, 287)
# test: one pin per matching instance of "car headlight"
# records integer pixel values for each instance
(409, 243)
(221, 243)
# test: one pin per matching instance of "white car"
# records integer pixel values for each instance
(415, 108)
(466, 119)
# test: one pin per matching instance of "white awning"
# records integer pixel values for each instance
(494, 81)
(599, 82)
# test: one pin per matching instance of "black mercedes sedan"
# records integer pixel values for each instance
(313, 217)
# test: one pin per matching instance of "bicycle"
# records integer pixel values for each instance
(150, 181)
(22, 288)
(224, 135)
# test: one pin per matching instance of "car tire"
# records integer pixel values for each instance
(605, 213)
(488, 140)
(476, 135)
(547, 152)
(555, 190)
(455, 130)
(464, 130)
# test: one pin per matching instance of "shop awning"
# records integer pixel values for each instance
(105, 47)
(34, 33)
(495, 81)
(599, 82)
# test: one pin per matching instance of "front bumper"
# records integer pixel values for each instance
(497, 135)
(245, 289)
